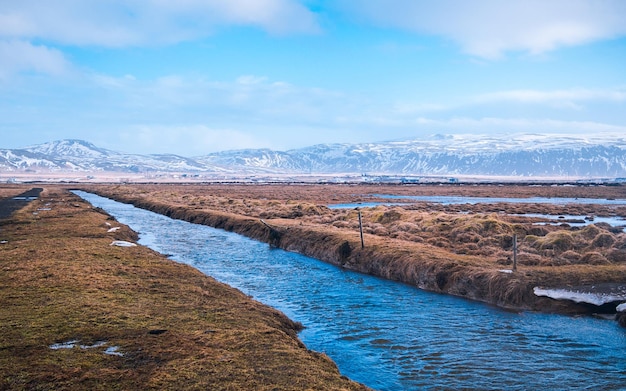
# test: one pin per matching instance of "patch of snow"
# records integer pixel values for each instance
(621, 307)
(114, 229)
(4, 241)
(122, 243)
(95, 345)
(507, 271)
(577, 296)
(64, 345)
(113, 351)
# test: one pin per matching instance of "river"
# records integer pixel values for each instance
(468, 200)
(392, 336)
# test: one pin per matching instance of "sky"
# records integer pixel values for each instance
(192, 77)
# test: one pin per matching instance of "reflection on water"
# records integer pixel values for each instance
(392, 336)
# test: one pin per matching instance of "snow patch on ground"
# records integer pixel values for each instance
(95, 345)
(111, 350)
(621, 307)
(122, 243)
(64, 345)
(113, 229)
(578, 296)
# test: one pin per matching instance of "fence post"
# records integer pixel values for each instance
(361, 229)
(514, 252)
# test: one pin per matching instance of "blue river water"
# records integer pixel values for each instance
(392, 336)
(461, 200)
(451, 200)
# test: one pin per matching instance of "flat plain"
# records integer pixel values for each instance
(465, 249)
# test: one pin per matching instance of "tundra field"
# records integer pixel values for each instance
(77, 312)
(464, 250)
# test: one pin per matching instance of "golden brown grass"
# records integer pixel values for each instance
(459, 249)
(61, 280)
(7, 190)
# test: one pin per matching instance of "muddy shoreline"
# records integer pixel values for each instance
(423, 264)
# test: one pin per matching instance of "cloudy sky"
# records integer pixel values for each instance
(197, 76)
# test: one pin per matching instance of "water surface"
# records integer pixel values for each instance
(392, 336)
(453, 200)
(460, 200)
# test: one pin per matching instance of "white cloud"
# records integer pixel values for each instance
(493, 125)
(251, 79)
(490, 28)
(259, 105)
(117, 23)
(528, 126)
(247, 99)
(408, 108)
(563, 96)
(572, 99)
(17, 56)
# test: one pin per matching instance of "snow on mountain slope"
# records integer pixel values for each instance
(529, 155)
(524, 155)
(79, 155)
(70, 148)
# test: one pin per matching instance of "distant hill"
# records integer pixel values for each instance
(79, 155)
(523, 155)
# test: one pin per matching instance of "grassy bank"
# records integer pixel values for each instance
(79, 313)
(460, 251)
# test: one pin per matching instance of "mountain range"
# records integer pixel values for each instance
(520, 156)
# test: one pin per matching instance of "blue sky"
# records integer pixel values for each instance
(197, 76)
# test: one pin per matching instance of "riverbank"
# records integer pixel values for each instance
(84, 308)
(464, 252)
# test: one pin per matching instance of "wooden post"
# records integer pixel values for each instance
(514, 252)
(361, 230)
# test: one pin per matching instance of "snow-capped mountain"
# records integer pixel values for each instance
(79, 155)
(522, 155)
(251, 160)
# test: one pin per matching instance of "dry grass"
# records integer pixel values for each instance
(61, 280)
(7, 190)
(459, 249)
